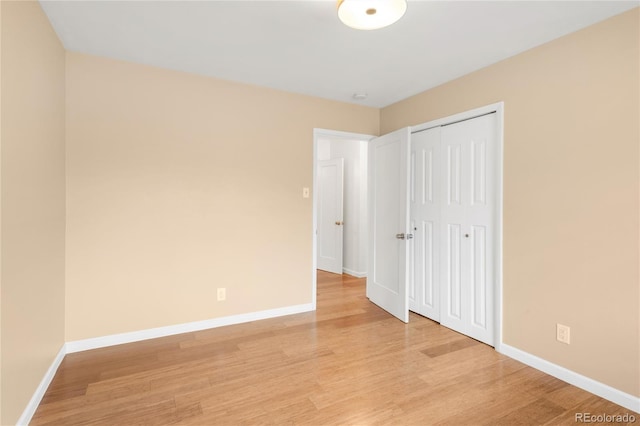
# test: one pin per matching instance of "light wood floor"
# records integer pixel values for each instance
(349, 363)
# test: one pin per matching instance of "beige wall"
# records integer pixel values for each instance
(178, 184)
(571, 191)
(33, 206)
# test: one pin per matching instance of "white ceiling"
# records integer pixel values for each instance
(300, 46)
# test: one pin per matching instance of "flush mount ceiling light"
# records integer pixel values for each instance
(370, 14)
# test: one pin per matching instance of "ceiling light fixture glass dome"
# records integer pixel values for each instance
(370, 14)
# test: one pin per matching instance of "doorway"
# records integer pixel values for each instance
(331, 148)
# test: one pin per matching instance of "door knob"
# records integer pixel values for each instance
(404, 236)
(339, 222)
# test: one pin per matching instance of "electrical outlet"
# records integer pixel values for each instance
(222, 294)
(563, 333)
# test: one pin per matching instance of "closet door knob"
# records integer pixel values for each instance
(404, 236)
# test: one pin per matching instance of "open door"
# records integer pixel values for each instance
(330, 215)
(388, 183)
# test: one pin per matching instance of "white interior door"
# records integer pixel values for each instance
(330, 214)
(468, 224)
(424, 283)
(388, 185)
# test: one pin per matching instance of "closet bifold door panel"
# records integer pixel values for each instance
(424, 202)
(467, 227)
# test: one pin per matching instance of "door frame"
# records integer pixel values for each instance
(326, 134)
(498, 109)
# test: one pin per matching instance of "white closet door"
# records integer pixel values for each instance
(424, 198)
(468, 225)
(388, 186)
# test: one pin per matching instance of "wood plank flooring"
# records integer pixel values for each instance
(348, 363)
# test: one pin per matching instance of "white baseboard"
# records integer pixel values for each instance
(32, 406)
(604, 391)
(117, 339)
(152, 333)
(354, 273)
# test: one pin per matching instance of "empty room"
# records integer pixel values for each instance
(358, 212)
